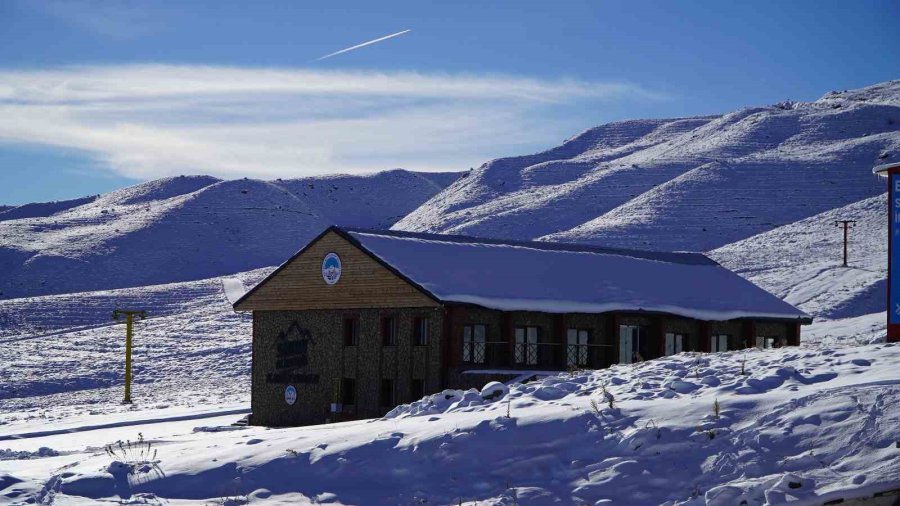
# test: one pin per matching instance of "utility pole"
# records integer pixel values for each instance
(129, 327)
(847, 224)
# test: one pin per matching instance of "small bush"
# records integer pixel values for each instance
(132, 453)
(607, 396)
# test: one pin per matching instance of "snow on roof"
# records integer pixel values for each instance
(882, 170)
(567, 278)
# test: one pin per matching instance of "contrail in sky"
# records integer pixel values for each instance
(364, 44)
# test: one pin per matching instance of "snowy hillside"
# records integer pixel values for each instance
(803, 426)
(38, 209)
(801, 262)
(655, 183)
(66, 350)
(187, 228)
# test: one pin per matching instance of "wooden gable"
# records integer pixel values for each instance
(365, 282)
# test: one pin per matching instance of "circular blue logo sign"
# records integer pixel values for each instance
(331, 268)
(290, 395)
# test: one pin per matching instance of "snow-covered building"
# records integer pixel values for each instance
(358, 320)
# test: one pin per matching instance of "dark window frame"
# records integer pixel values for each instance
(685, 341)
(348, 391)
(578, 350)
(389, 400)
(716, 340)
(473, 350)
(351, 331)
(765, 342)
(420, 324)
(527, 352)
(416, 393)
(390, 330)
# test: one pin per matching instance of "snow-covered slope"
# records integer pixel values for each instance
(66, 351)
(802, 262)
(38, 209)
(655, 183)
(187, 228)
(802, 426)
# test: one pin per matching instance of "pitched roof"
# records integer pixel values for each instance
(569, 278)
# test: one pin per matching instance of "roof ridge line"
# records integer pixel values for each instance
(683, 257)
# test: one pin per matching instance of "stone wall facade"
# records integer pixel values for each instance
(318, 369)
(319, 380)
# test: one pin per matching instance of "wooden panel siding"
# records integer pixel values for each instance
(364, 283)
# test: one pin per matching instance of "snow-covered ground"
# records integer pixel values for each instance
(814, 423)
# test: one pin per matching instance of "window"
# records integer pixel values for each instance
(348, 391)
(387, 393)
(718, 342)
(351, 331)
(674, 343)
(632, 339)
(765, 342)
(423, 330)
(291, 354)
(526, 345)
(474, 337)
(389, 331)
(577, 349)
(417, 389)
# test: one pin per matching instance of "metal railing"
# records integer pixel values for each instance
(547, 355)
(485, 352)
(577, 355)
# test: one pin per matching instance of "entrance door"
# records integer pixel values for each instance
(718, 343)
(631, 338)
(526, 345)
(674, 343)
(625, 344)
(765, 342)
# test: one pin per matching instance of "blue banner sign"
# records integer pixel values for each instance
(894, 303)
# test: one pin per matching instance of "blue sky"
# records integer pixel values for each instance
(96, 95)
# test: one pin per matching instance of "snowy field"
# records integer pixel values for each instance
(805, 425)
(801, 426)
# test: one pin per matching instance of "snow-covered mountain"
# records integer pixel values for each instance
(656, 184)
(186, 228)
(38, 209)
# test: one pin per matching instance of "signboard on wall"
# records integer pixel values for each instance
(894, 250)
(290, 395)
(331, 268)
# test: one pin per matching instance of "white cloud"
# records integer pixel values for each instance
(153, 120)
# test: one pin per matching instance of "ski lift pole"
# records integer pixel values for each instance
(847, 224)
(129, 331)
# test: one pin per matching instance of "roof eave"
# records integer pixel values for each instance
(347, 237)
(280, 268)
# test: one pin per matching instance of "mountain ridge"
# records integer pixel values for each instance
(658, 186)
(192, 227)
